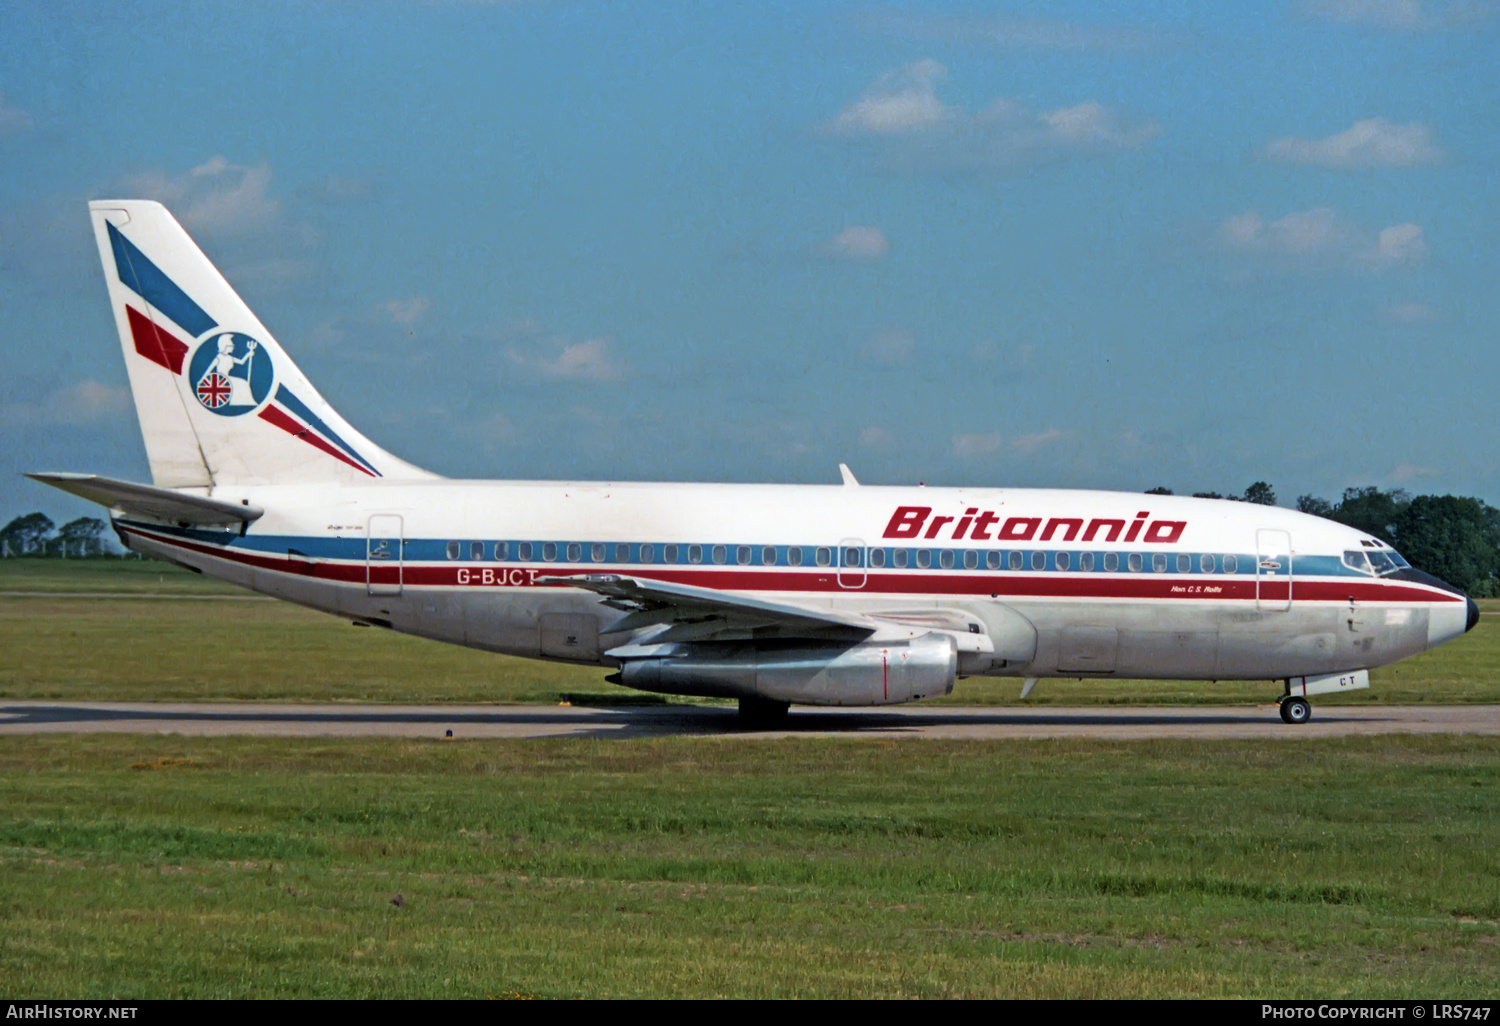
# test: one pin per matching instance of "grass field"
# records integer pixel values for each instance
(165, 634)
(151, 867)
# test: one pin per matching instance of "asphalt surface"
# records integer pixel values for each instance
(1138, 723)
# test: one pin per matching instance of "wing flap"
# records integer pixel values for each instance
(161, 504)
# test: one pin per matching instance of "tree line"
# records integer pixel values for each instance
(1452, 537)
(36, 535)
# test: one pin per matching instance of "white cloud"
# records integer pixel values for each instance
(1400, 15)
(1371, 143)
(861, 243)
(1400, 245)
(874, 436)
(1408, 472)
(1319, 239)
(406, 311)
(215, 196)
(970, 446)
(1028, 444)
(85, 402)
(898, 101)
(911, 128)
(590, 360)
(12, 119)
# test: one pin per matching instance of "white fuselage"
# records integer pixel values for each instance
(1030, 583)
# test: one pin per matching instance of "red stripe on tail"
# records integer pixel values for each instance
(154, 344)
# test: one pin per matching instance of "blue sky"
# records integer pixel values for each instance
(1066, 244)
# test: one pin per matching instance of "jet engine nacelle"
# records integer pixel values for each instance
(804, 674)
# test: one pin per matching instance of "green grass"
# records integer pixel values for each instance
(171, 867)
(59, 641)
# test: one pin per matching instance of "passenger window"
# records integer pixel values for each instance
(695, 553)
(1086, 561)
(742, 555)
(476, 550)
(669, 553)
(1206, 563)
(945, 559)
(1231, 565)
(851, 557)
(1062, 560)
(622, 553)
(1015, 560)
(575, 552)
(1111, 562)
(768, 556)
(924, 558)
(1184, 563)
(598, 552)
(794, 555)
(720, 553)
(499, 550)
(453, 548)
(971, 559)
(992, 560)
(549, 551)
(1038, 561)
(877, 557)
(523, 552)
(648, 553)
(825, 555)
(1134, 562)
(898, 559)
(1159, 563)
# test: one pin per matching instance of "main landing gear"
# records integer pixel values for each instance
(1295, 710)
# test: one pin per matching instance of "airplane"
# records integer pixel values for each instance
(772, 595)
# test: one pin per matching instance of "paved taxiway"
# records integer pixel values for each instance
(534, 721)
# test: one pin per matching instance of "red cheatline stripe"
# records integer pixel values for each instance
(155, 344)
(792, 581)
(291, 427)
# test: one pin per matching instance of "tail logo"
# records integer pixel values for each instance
(231, 374)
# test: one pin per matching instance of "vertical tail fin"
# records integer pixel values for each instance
(219, 401)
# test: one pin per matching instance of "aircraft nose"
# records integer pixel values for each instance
(1473, 616)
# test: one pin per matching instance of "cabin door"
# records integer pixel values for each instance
(1273, 570)
(383, 555)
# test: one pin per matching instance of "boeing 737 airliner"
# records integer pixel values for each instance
(770, 594)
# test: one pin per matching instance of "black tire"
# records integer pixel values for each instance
(1295, 710)
(763, 712)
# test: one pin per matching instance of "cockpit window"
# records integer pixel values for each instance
(1378, 562)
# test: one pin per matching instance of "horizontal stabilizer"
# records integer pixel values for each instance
(161, 504)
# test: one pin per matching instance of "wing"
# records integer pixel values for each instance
(702, 614)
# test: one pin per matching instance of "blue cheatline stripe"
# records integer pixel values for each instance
(146, 280)
(298, 407)
(435, 550)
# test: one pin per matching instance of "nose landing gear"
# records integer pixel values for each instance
(1295, 710)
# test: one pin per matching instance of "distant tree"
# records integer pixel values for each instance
(1158, 490)
(1314, 505)
(1207, 495)
(1261, 494)
(81, 537)
(1455, 539)
(1372, 511)
(26, 535)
